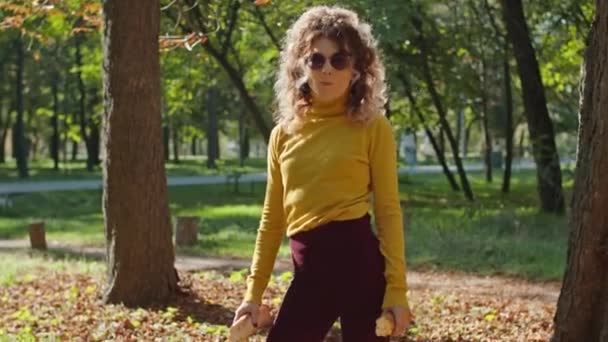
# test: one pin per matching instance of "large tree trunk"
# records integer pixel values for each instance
(20, 145)
(582, 308)
(548, 174)
(506, 180)
(135, 202)
(212, 129)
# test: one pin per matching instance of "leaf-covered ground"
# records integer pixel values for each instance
(64, 304)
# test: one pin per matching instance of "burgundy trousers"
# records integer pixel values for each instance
(338, 273)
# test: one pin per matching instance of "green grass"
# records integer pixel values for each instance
(21, 266)
(496, 234)
(42, 170)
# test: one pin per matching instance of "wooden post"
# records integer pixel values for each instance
(187, 231)
(37, 235)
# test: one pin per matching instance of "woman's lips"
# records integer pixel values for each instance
(325, 83)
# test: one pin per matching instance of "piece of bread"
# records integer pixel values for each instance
(243, 328)
(385, 325)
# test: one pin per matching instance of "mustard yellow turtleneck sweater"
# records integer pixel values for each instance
(352, 161)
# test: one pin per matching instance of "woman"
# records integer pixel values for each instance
(330, 152)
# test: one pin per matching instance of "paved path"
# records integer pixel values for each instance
(92, 184)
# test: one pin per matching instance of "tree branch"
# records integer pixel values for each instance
(234, 10)
(274, 39)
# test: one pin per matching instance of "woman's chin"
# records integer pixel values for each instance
(325, 97)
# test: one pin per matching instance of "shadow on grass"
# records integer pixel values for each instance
(192, 305)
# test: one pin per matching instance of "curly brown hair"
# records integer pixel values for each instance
(367, 94)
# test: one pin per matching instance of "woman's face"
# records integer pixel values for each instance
(330, 70)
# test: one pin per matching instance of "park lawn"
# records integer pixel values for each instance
(497, 234)
(42, 170)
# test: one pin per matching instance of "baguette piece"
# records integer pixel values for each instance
(385, 324)
(243, 328)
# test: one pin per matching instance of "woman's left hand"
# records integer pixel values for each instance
(402, 316)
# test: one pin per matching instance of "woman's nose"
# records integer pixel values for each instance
(326, 68)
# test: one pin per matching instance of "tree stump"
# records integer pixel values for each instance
(37, 235)
(186, 232)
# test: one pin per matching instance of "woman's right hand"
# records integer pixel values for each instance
(248, 308)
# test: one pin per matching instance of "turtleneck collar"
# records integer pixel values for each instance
(335, 107)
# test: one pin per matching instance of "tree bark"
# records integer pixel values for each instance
(549, 176)
(135, 201)
(582, 307)
(20, 145)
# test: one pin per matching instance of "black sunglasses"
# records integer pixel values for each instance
(338, 60)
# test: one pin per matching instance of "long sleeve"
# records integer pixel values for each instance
(387, 211)
(271, 229)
